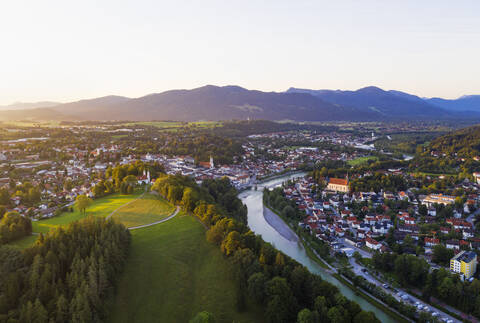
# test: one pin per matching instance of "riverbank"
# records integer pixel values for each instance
(258, 224)
(278, 224)
(333, 271)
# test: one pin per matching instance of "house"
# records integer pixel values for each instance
(338, 185)
(372, 243)
(431, 242)
(452, 244)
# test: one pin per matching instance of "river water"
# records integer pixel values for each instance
(258, 224)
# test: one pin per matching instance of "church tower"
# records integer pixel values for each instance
(211, 162)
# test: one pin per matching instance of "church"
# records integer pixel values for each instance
(338, 185)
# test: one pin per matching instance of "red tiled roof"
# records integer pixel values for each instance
(338, 181)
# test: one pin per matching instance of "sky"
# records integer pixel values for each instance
(68, 50)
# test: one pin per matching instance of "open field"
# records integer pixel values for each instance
(174, 125)
(101, 207)
(361, 160)
(147, 209)
(158, 124)
(173, 273)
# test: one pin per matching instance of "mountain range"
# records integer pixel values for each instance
(234, 102)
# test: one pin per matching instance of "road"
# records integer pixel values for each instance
(357, 269)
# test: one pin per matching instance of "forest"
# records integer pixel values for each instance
(67, 276)
(464, 142)
(13, 226)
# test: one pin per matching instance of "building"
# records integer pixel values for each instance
(438, 199)
(465, 263)
(209, 165)
(338, 185)
(477, 177)
(372, 243)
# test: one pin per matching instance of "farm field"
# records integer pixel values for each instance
(174, 125)
(173, 273)
(147, 209)
(158, 124)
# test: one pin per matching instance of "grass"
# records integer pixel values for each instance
(158, 124)
(23, 242)
(174, 125)
(147, 209)
(361, 160)
(173, 273)
(101, 207)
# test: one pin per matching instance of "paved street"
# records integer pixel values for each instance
(357, 269)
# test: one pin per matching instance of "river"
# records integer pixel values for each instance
(258, 224)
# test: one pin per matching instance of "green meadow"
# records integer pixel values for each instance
(147, 209)
(101, 207)
(361, 160)
(173, 273)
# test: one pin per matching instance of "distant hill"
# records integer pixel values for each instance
(464, 103)
(88, 109)
(33, 105)
(213, 103)
(234, 102)
(464, 142)
(387, 104)
(38, 114)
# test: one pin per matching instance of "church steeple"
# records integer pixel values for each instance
(211, 162)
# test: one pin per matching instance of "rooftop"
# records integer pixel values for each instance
(465, 256)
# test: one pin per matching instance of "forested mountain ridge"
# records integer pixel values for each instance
(464, 143)
(389, 104)
(214, 103)
(233, 102)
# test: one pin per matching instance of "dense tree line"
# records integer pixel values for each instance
(440, 283)
(263, 274)
(377, 182)
(202, 145)
(13, 226)
(287, 209)
(464, 142)
(66, 276)
(244, 128)
(123, 178)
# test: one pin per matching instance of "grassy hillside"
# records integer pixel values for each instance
(147, 209)
(101, 207)
(172, 274)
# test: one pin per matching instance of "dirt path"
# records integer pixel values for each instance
(118, 208)
(158, 222)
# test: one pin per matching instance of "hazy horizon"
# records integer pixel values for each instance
(59, 51)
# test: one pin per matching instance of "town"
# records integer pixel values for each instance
(353, 193)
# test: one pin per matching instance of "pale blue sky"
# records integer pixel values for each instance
(67, 50)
